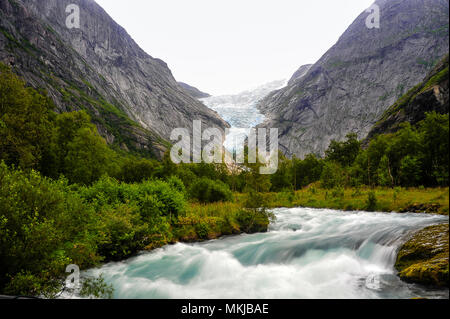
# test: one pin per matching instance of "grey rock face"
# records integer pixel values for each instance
(194, 92)
(367, 70)
(100, 64)
(430, 95)
(300, 73)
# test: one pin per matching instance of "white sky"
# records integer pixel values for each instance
(228, 46)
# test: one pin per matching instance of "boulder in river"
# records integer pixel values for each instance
(424, 258)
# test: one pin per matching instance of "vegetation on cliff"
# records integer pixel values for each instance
(427, 96)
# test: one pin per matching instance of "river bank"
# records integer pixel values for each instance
(307, 253)
(211, 221)
(401, 200)
(203, 222)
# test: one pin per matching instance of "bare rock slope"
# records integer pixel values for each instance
(133, 98)
(365, 72)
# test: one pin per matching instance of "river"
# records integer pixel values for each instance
(307, 253)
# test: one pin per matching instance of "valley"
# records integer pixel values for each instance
(357, 207)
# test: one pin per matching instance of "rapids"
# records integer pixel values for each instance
(307, 253)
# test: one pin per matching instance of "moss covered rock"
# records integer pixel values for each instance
(424, 258)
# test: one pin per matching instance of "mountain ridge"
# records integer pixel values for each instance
(132, 97)
(357, 79)
(432, 94)
(193, 91)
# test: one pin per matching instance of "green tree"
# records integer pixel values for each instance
(333, 176)
(283, 178)
(43, 228)
(345, 152)
(25, 129)
(410, 171)
(88, 157)
(306, 171)
(403, 143)
(434, 141)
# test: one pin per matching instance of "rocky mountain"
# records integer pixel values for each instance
(429, 95)
(193, 91)
(133, 98)
(365, 72)
(301, 72)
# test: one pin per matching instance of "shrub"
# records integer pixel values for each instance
(177, 184)
(96, 288)
(136, 170)
(338, 192)
(333, 176)
(122, 230)
(371, 202)
(202, 230)
(43, 227)
(208, 191)
(164, 197)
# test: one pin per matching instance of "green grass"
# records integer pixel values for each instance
(434, 200)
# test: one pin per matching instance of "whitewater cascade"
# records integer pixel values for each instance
(307, 253)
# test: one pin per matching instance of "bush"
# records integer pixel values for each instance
(43, 227)
(164, 198)
(338, 193)
(202, 230)
(252, 221)
(177, 184)
(333, 176)
(135, 170)
(122, 230)
(372, 202)
(208, 191)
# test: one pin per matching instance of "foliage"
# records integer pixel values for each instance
(45, 227)
(96, 288)
(344, 153)
(372, 202)
(333, 175)
(208, 191)
(25, 122)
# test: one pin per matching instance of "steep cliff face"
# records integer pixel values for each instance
(300, 73)
(134, 99)
(429, 95)
(367, 70)
(193, 91)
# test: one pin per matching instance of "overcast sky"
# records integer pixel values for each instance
(227, 46)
